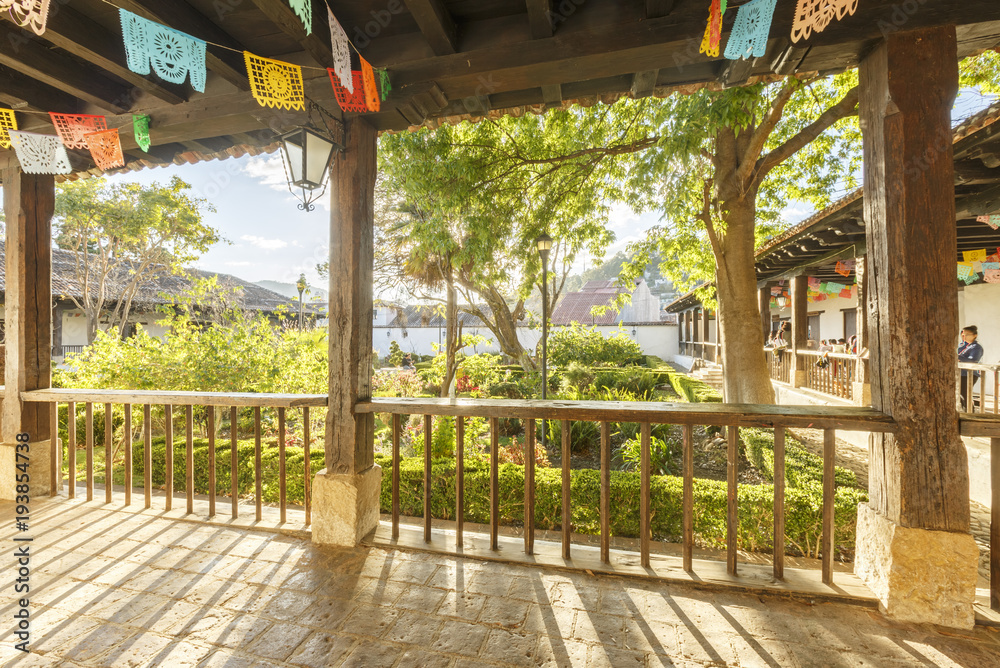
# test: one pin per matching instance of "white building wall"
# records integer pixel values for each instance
(831, 318)
(979, 305)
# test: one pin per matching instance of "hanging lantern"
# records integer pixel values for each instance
(306, 155)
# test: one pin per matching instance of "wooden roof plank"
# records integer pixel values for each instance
(317, 44)
(539, 12)
(22, 93)
(75, 33)
(657, 8)
(47, 66)
(181, 16)
(436, 25)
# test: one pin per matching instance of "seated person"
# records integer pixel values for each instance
(408, 363)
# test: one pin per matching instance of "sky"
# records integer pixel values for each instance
(269, 238)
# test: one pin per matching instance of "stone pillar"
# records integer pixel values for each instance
(800, 329)
(29, 202)
(345, 502)
(913, 545)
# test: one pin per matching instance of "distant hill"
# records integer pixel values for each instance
(290, 290)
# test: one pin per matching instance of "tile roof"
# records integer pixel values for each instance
(64, 283)
(577, 306)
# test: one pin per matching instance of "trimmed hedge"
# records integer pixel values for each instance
(801, 466)
(803, 510)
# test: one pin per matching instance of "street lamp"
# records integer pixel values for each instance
(301, 285)
(544, 244)
(306, 157)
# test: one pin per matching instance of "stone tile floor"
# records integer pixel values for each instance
(116, 588)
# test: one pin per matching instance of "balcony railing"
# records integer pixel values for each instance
(112, 405)
(831, 373)
(731, 416)
(779, 364)
(981, 385)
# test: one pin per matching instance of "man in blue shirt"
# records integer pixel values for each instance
(969, 351)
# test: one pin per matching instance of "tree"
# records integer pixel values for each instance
(478, 222)
(125, 236)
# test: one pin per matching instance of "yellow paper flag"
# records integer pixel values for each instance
(974, 256)
(274, 83)
(7, 123)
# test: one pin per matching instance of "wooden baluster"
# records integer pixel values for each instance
(829, 457)
(428, 444)
(688, 501)
(732, 513)
(306, 436)
(109, 464)
(55, 468)
(459, 480)
(211, 460)
(168, 414)
(995, 525)
(234, 470)
(71, 447)
(494, 483)
(779, 503)
(968, 392)
(396, 429)
(605, 492)
(644, 492)
(282, 491)
(529, 487)
(258, 484)
(189, 457)
(567, 513)
(996, 392)
(128, 454)
(147, 455)
(89, 412)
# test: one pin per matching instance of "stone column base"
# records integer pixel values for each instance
(918, 575)
(345, 508)
(862, 394)
(39, 470)
(798, 378)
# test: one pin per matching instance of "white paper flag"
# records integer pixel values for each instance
(40, 154)
(341, 53)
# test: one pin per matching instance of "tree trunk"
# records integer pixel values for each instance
(747, 380)
(93, 322)
(503, 324)
(451, 337)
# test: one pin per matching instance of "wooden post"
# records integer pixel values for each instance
(705, 333)
(862, 383)
(696, 334)
(800, 329)
(764, 302)
(29, 202)
(919, 478)
(345, 503)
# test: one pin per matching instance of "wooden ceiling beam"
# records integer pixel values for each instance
(436, 25)
(317, 44)
(49, 67)
(78, 35)
(657, 8)
(552, 94)
(179, 15)
(22, 93)
(539, 18)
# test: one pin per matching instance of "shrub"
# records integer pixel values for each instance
(662, 453)
(801, 466)
(803, 520)
(583, 434)
(395, 356)
(588, 346)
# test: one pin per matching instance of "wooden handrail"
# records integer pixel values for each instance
(742, 415)
(157, 397)
(978, 367)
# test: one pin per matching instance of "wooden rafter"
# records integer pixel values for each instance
(539, 18)
(316, 44)
(436, 25)
(22, 92)
(643, 83)
(181, 16)
(61, 72)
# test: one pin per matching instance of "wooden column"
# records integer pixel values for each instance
(696, 332)
(800, 328)
(862, 382)
(706, 333)
(918, 476)
(350, 437)
(29, 202)
(764, 301)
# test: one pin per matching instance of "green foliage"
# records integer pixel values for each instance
(981, 72)
(802, 468)
(586, 345)
(395, 357)
(687, 388)
(803, 521)
(583, 434)
(662, 453)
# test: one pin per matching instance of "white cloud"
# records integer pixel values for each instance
(268, 170)
(266, 244)
(239, 264)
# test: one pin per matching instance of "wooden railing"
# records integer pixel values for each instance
(830, 373)
(732, 416)
(981, 387)
(122, 402)
(779, 364)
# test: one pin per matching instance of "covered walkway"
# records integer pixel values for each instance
(119, 588)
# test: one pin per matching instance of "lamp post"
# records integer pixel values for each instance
(544, 244)
(306, 157)
(301, 285)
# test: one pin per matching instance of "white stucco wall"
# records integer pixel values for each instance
(659, 340)
(979, 305)
(831, 315)
(74, 326)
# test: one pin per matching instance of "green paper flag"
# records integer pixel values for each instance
(140, 123)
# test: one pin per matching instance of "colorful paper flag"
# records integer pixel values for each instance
(140, 126)
(32, 14)
(106, 149)
(341, 53)
(371, 88)
(173, 55)
(992, 275)
(964, 270)
(991, 220)
(303, 9)
(348, 100)
(815, 15)
(73, 128)
(713, 29)
(750, 32)
(7, 123)
(274, 83)
(40, 154)
(974, 256)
